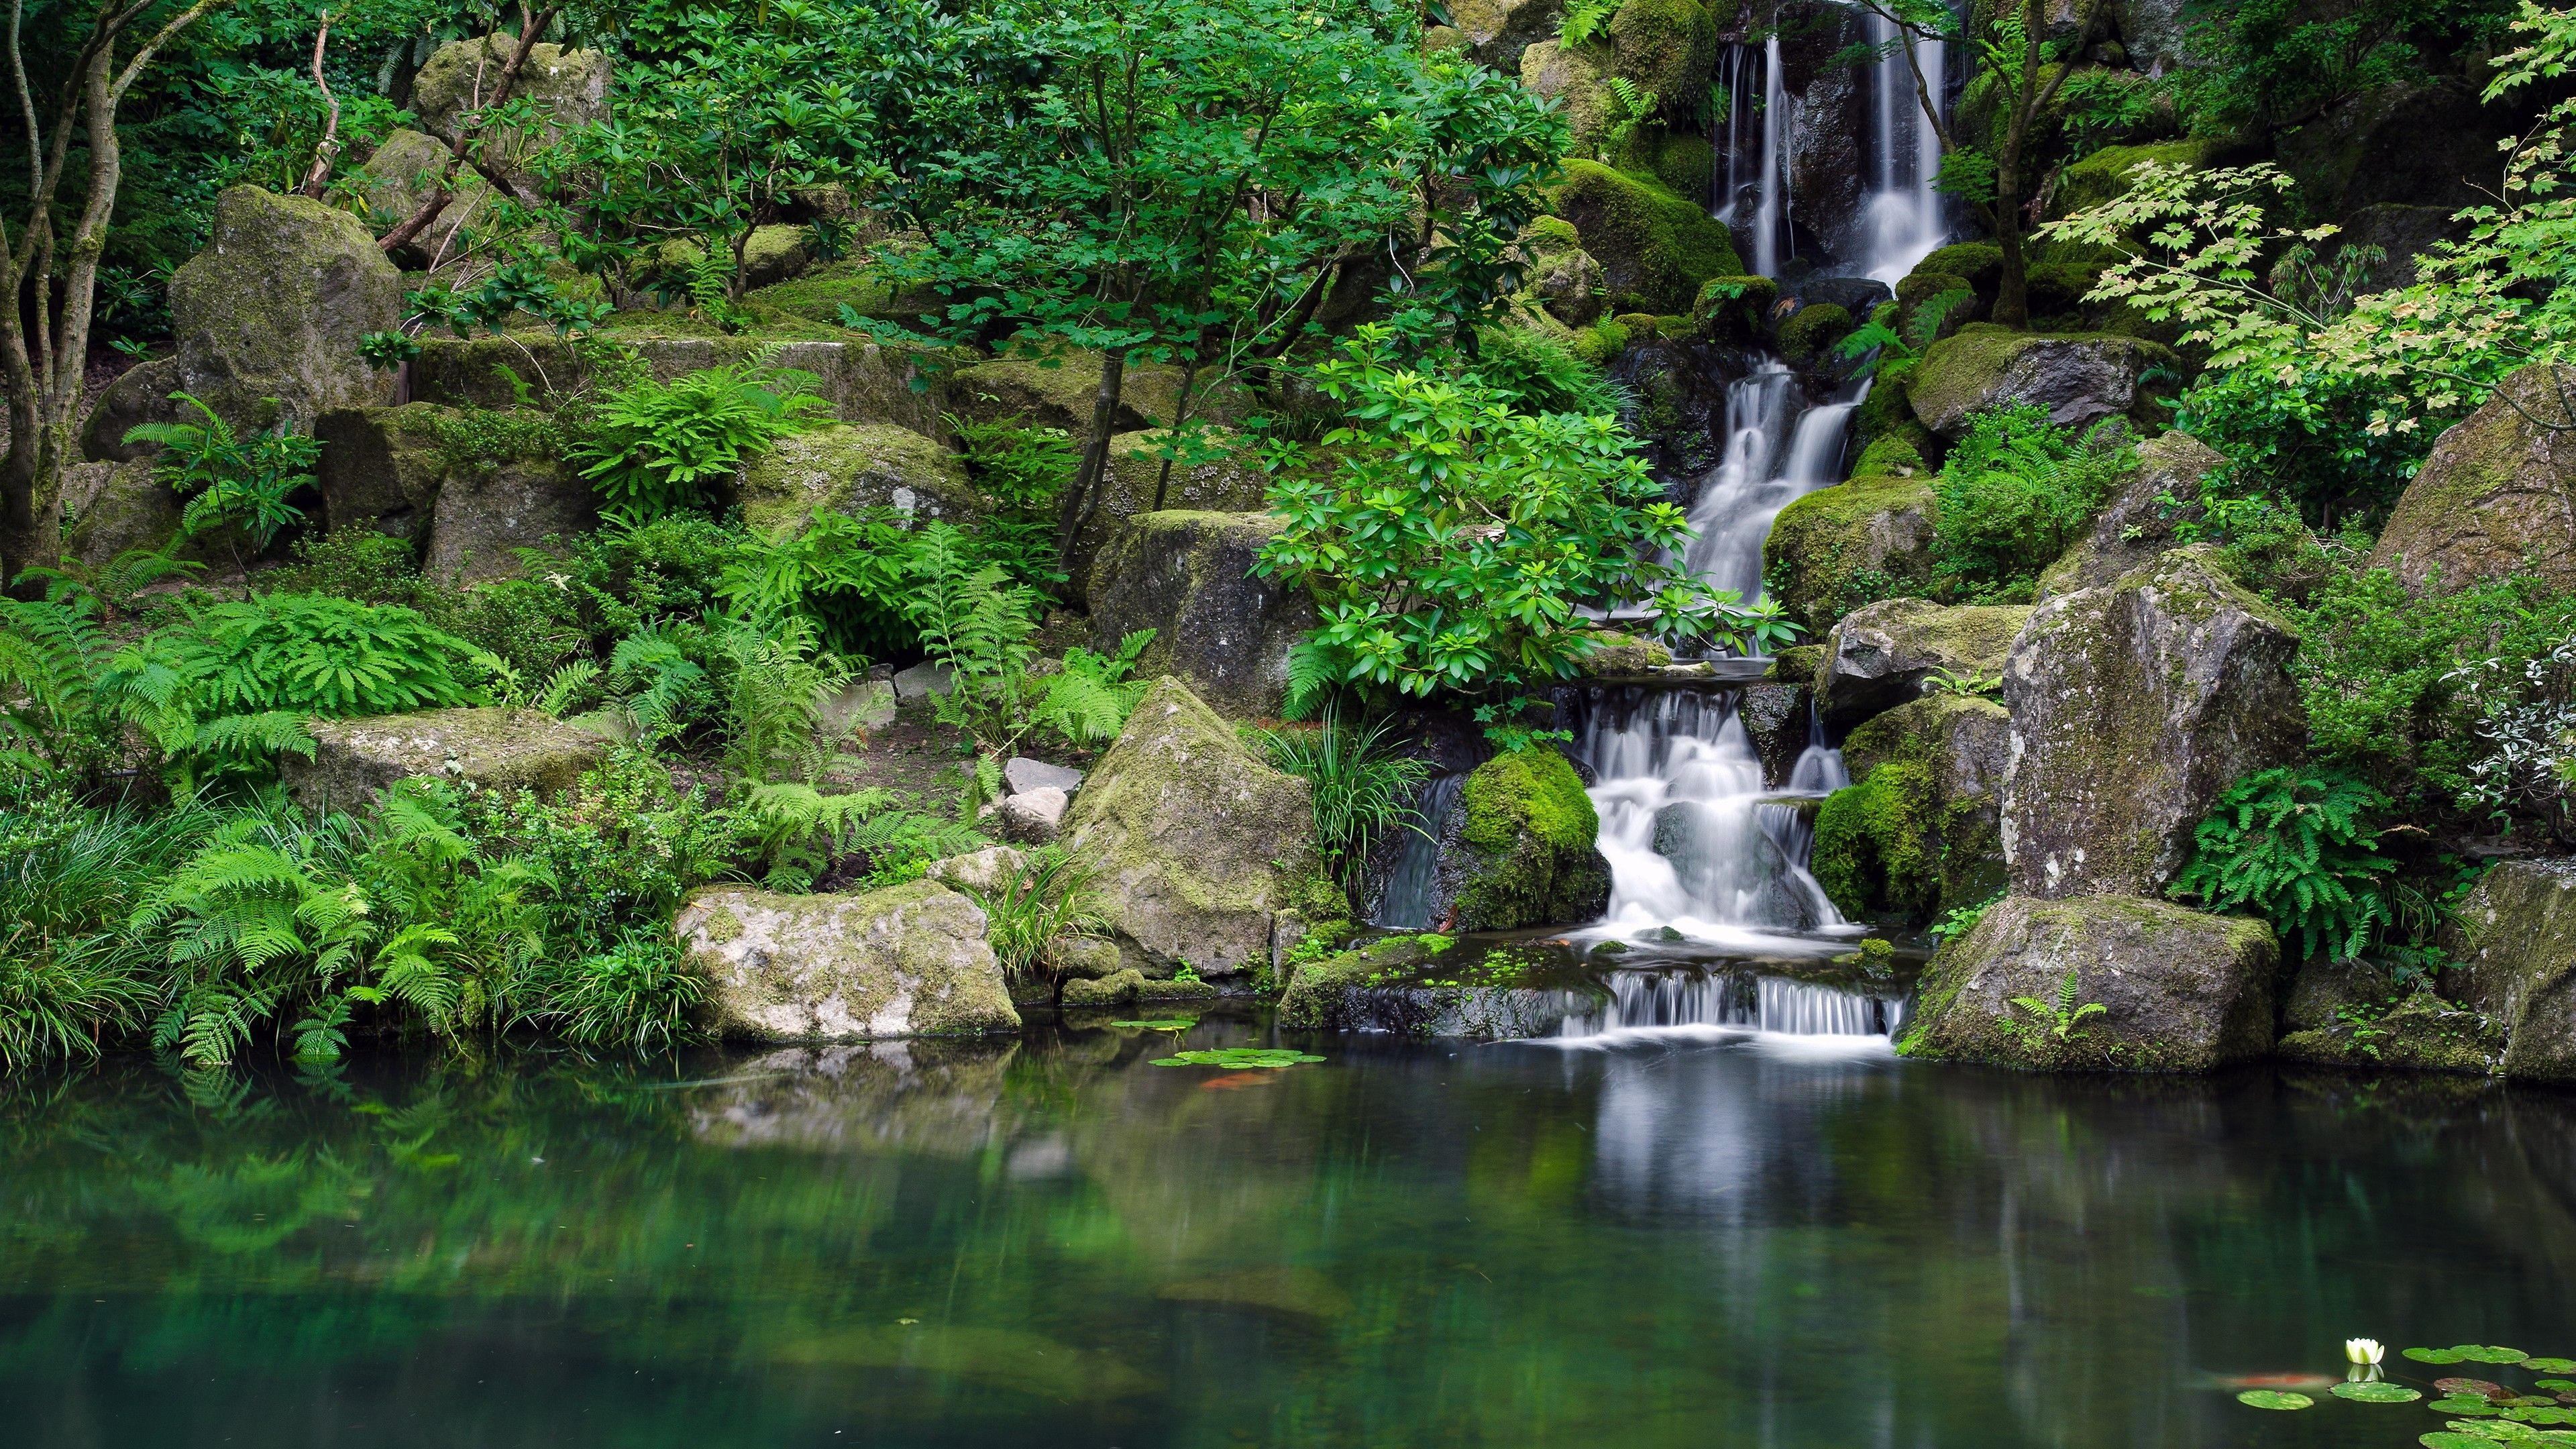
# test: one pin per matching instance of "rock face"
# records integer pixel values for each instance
(1497, 31)
(1217, 629)
(570, 85)
(485, 514)
(1526, 851)
(864, 383)
(2355, 1014)
(1830, 548)
(1879, 657)
(2080, 379)
(380, 468)
(493, 749)
(2132, 529)
(2133, 705)
(910, 960)
(1040, 396)
(1918, 831)
(2181, 991)
(1201, 852)
(851, 467)
(272, 308)
(2515, 934)
(1656, 249)
(1576, 82)
(2498, 493)
(117, 507)
(399, 176)
(1232, 484)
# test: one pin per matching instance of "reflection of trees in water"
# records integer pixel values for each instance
(1411, 1245)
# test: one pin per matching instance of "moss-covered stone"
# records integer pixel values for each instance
(2080, 378)
(1200, 851)
(2497, 493)
(1809, 331)
(1916, 834)
(851, 467)
(1527, 852)
(1840, 548)
(774, 254)
(1563, 278)
(1666, 48)
(2180, 991)
(1656, 249)
(2134, 705)
(819, 293)
(1496, 32)
(484, 515)
(1187, 575)
(1615, 655)
(909, 960)
(1881, 655)
(1578, 82)
(1131, 984)
(1920, 286)
(1979, 264)
(1893, 456)
(2412, 1030)
(570, 87)
(1059, 393)
(2135, 527)
(397, 178)
(355, 760)
(1681, 161)
(1735, 309)
(380, 467)
(113, 508)
(2514, 936)
(1601, 343)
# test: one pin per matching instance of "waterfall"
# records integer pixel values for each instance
(1695, 843)
(1412, 889)
(1771, 214)
(1905, 222)
(1752, 483)
(1645, 999)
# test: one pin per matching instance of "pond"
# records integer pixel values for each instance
(1688, 1237)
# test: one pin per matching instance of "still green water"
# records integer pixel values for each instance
(1700, 1240)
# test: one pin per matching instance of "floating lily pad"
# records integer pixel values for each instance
(2462, 1404)
(2529, 1413)
(2550, 1365)
(2376, 1393)
(2474, 1354)
(2559, 1386)
(1238, 1058)
(2433, 1355)
(1175, 1024)
(2274, 1399)
(2444, 1439)
(2480, 1388)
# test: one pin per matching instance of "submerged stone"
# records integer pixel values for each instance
(909, 960)
(2179, 991)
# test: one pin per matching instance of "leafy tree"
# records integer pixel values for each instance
(1459, 541)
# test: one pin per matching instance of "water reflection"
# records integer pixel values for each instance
(1723, 1240)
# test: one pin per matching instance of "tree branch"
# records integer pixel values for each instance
(320, 175)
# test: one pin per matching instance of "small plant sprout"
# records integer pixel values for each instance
(2062, 1016)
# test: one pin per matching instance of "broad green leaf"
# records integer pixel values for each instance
(2376, 1393)
(1237, 1058)
(2274, 1399)
(2475, 1354)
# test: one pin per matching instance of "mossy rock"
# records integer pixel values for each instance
(2416, 1031)
(2080, 378)
(357, 760)
(1563, 278)
(1888, 411)
(1921, 286)
(1601, 343)
(852, 468)
(909, 960)
(819, 293)
(1839, 548)
(1527, 852)
(1616, 655)
(1981, 264)
(1917, 832)
(1187, 574)
(1578, 82)
(1059, 392)
(1684, 162)
(2180, 991)
(1667, 48)
(569, 87)
(1810, 331)
(2514, 937)
(1656, 248)
(1893, 456)
(1882, 655)
(774, 254)
(1735, 309)
(2496, 496)
(115, 508)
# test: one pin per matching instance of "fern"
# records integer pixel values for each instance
(1089, 702)
(976, 624)
(1585, 19)
(774, 701)
(654, 447)
(1312, 677)
(227, 479)
(2063, 1016)
(1630, 109)
(2295, 845)
(800, 830)
(52, 652)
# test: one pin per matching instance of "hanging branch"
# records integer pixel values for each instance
(530, 27)
(330, 147)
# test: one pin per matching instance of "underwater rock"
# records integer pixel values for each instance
(909, 960)
(1217, 628)
(354, 760)
(2497, 493)
(1197, 846)
(2133, 528)
(2514, 936)
(2133, 706)
(1527, 851)
(1881, 656)
(851, 468)
(2179, 991)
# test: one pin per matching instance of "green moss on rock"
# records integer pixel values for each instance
(1665, 47)
(1874, 849)
(1811, 330)
(1679, 160)
(1917, 834)
(2104, 175)
(1656, 248)
(1893, 456)
(910, 960)
(1838, 548)
(851, 467)
(1527, 852)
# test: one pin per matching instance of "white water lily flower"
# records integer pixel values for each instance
(2363, 1350)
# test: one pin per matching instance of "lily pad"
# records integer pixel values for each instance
(2461, 1404)
(2475, 1354)
(2444, 1439)
(1238, 1058)
(2558, 1386)
(1175, 1024)
(2433, 1355)
(2530, 1414)
(2376, 1393)
(2480, 1388)
(2550, 1365)
(2274, 1399)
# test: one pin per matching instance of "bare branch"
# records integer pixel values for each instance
(320, 175)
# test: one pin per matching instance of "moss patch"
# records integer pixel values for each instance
(1811, 330)
(1668, 47)
(1838, 548)
(2104, 175)
(1527, 845)
(1876, 842)
(1655, 247)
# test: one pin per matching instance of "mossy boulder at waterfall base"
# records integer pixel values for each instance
(909, 960)
(1527, 847)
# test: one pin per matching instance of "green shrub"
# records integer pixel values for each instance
(1021, 470)
(2013, 494)
(1362, 788)
(1043, 895)
(1539, 374)
(2296, 846)
(652, 448)
(227, 479)
(639, 994)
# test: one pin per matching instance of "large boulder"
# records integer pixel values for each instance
(1666, 48)
(268, 319)
(1523, 849)
(1230, 484)
(1577, 82)
(2080, 378)
(381, 467)
(1879, 657)
(1496, 32)
(1836, 549)
(1656, 249)
(851, 467)
(2180, 991)
(570, 86)
(1059, 392)
(1563, 278)
(400, 174)
(1217, 628)
(2497, 493)
(909, 960)
(1201, 853)
(487, 511)
(2135, 526)
(114, 508)
(2133, 706)
(1918, 831)
(355, 760)
(2514, 936)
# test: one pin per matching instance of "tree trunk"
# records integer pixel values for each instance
(1180, 415)
(1080, 502)
(2012, 293)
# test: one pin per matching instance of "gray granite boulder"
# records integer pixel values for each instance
(1879, 657)
(2080, 378)
(2497, 493)
(909, 960)
(2514, 936)
(355, 760)
(1217, 629)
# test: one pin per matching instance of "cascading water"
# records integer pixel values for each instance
(1752, 483)
(1411, 897)
(1771, 215)
(1642, 999)
(1905, 222)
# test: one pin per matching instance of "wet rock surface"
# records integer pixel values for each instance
(1217, 628)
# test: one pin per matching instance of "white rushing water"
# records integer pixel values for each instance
(1905, 218)
(1753, 479)
(1651, 1000)
(1411, 895)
